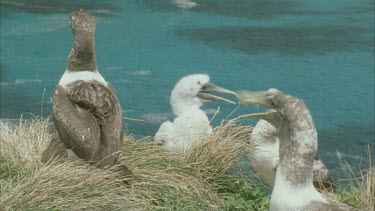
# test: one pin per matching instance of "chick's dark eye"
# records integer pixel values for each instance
(199, 83)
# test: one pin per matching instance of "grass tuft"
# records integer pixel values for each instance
(70, 186)
(22, 147)
(359, 190)
(35, 174)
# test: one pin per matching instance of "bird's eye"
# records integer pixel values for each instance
(204, 87)
(199, 83)
(316, 158)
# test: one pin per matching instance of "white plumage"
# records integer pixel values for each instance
(163, 132)
(296, 132)
(191, 124)
(264, 157)
(70, 77)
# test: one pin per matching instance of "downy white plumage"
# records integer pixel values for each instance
(191, 124)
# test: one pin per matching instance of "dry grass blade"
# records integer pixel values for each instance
(360, 190)
(71, 186)
(22, 148)
(35, 174)
(164, 180)
(221, 150)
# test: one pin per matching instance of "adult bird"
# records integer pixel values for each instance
(264, 157)
(297, 136)
(191, 124)
(86, 111)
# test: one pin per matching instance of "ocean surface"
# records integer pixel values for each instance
(321, 51)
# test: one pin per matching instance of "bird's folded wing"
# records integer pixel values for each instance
(77, 128)
(96, 98)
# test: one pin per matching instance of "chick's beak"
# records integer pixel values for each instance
(209, 87)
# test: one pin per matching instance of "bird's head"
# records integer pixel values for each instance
(194, 90)
(272, 99)
(281, 107)
(82, 55)
(82, 22)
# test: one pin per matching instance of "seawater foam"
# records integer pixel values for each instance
(21, 81)
(142, 72)
(184, 4)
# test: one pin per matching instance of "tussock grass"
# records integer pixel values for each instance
(164, 181)
(220, 152)
(360, 188)
(36, 174)
(208, 155)
(70, 186)
(23, 146)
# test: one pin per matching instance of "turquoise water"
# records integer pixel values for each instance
(321, 51)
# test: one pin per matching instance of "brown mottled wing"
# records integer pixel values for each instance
(88, 117)
(112, 131)
(101, 101)
(96, 98)
(77, 127)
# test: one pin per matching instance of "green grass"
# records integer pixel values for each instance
(246, 196)
(359, 188)
(35, 174)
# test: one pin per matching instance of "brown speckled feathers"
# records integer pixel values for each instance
(96, 98)
(88, 117)
(85, 108)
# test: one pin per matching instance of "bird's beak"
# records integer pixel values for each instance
(268, 115)
(258, 98)
(253, 97)
(209, 87)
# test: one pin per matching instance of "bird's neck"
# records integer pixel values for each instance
(82, 55)
(181, 105)
(298, 142)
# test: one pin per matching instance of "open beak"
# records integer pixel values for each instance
(268, 115)
(209, 87)
(253, 97)
(258, 98)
